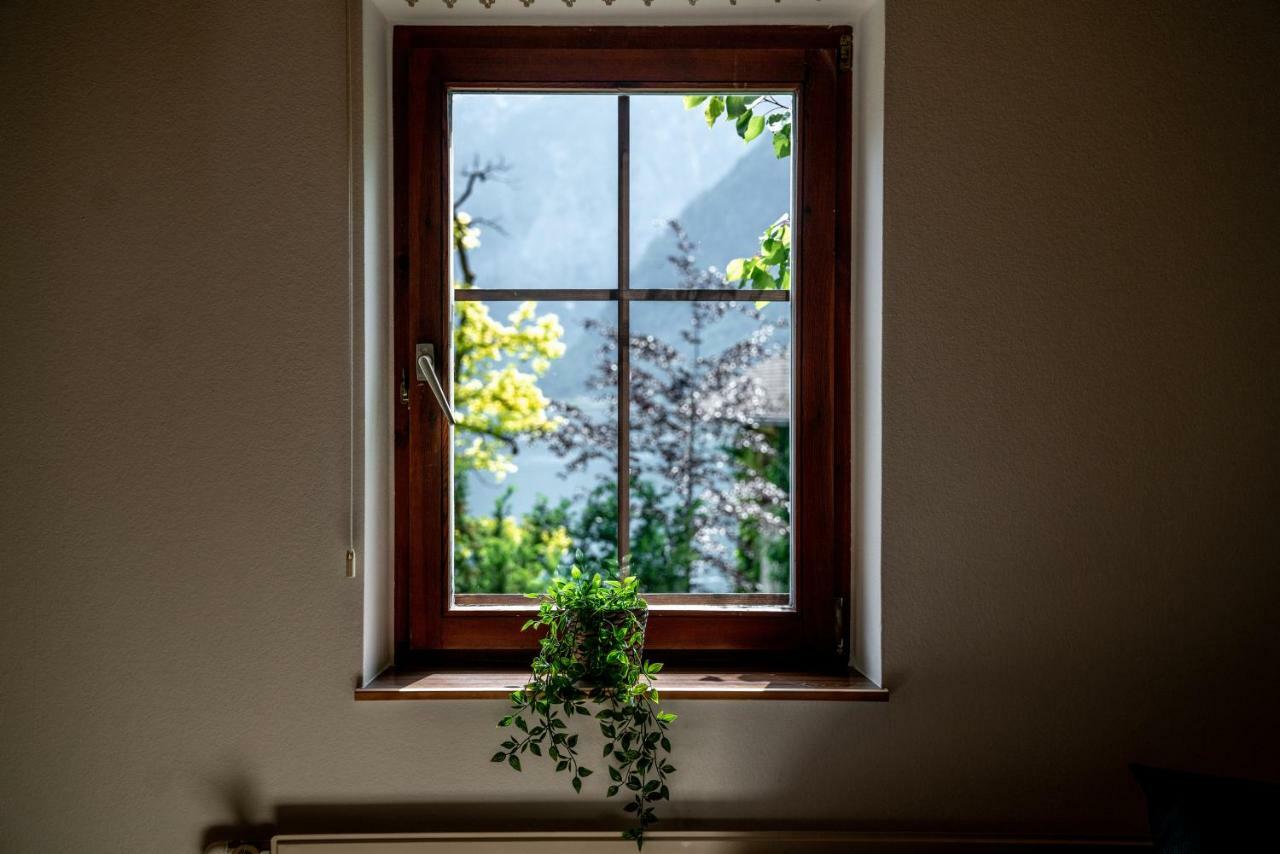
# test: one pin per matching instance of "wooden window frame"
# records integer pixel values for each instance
(428, 62)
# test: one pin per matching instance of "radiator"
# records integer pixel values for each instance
(676, 842)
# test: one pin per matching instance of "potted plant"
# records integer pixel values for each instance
(591, 654)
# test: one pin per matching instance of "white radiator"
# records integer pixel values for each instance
(676, 842)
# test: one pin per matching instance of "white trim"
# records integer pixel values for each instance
(625, 12)
(868, 309)
(370, 37)
(372, 41)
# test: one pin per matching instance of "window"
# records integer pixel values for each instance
(625, 253)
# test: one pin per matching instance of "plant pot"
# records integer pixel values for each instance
(583, 637)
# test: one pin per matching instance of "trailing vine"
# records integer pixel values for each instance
(590, 654)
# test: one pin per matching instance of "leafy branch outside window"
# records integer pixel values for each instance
(770, 268)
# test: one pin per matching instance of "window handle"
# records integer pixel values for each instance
(426, 368)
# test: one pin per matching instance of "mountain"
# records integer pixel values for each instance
(725, 220)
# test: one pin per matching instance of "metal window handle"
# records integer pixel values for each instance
(426, 369)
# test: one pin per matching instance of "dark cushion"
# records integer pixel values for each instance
(1199, 814)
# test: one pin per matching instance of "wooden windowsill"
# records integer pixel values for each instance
(675, 684)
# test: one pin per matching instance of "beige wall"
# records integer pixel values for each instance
(1080, 447)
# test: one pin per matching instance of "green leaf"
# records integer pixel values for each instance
(735, 105)
(562, 764)
(666, 744)
(584, 772)
(521, 725)
(534, 748)
(577, 785)
(691, 101)
(782, 141)
(614, 773)
(755, 126)
(513, 762)
(613, 790)
(734, 270)
(498, 757)
(715, 109)
(761, 281)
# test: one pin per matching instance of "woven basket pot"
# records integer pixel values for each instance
(582, 636)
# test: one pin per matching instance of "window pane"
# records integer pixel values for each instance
(723, 192)
(535, 190)
(711, 447)
(535, 453)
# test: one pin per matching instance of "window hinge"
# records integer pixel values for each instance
(841, 640)
(404, 387)
(846, 52)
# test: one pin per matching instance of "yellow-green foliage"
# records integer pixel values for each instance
(497, 368)
(496, 391)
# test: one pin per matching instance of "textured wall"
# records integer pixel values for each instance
(1082, 391)
(1080, 449)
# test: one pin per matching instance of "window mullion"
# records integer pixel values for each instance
(624, 327)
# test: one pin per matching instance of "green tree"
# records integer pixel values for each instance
(497, 366)
(501, 553)
(662, 552)
(691, 411)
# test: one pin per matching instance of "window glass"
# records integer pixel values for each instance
(535, 189)
(527, 375)
(703, 313)
(711, 447)
(720, 188)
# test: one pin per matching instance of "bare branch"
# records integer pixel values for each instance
(492, 170)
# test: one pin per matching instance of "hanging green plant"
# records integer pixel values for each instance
(591, 654)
